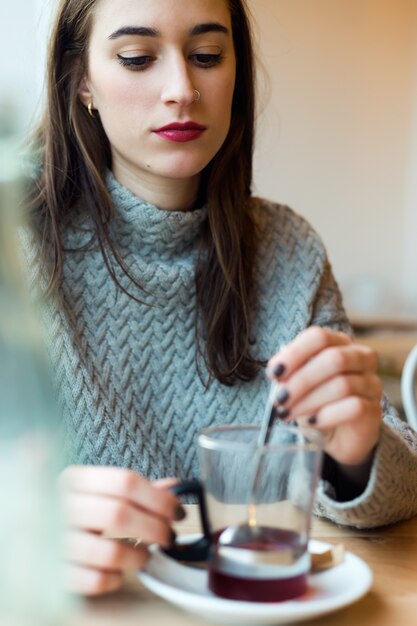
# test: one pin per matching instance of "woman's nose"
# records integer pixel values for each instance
(178, 86)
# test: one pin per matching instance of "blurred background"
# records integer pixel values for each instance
(338, 137)
(30, 449)
(23, 30)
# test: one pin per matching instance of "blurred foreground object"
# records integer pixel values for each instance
(30, 590)
(408, 387)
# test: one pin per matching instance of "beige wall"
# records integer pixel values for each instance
(410, 223)
(337, 138)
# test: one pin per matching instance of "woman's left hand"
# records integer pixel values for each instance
(331, 383)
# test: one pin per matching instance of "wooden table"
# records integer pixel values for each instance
(391, 552)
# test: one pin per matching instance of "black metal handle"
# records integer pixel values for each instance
(198, 550)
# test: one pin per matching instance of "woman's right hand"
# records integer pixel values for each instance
(104, 502)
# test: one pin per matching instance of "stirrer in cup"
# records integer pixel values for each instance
(245, 533)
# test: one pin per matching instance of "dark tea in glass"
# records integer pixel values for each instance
(261, 564)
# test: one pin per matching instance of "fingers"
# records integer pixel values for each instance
(366, 386)
(335, 360)
(351, 428)
(165, 483)
(115, 517)
(313, 378)
(351, 410)
(122, 484)
(90, 582)
(306, 345)
(94, 551)
(101, 504)
(328, 382)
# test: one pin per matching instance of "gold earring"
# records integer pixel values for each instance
(90, 109)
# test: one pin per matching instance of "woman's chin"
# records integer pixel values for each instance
(181, 173)
(181, 166)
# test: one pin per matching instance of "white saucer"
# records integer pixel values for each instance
(187, 588)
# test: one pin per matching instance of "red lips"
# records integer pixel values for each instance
(180, 131)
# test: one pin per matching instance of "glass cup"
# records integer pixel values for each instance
(255, 508)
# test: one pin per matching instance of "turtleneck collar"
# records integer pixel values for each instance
(149, 226)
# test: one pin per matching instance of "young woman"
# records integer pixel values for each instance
(171, 287)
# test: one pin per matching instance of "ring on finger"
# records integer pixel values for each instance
(133, 541)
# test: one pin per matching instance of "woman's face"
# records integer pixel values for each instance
(146, 58)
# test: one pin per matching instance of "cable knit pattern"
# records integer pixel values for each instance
(127, 371)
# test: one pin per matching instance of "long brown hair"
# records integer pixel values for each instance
(75, 153)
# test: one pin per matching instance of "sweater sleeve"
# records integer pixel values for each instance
(391, 492)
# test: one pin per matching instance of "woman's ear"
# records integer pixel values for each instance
(84, 92)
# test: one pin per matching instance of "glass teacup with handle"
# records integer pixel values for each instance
(255, 507)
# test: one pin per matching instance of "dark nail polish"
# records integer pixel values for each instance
(282, 413)
(312, 420)
(278, 369)
(172, 538)
(180, 513)
(282, 396)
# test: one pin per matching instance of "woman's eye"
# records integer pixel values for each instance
(135, 63)
(206, 60)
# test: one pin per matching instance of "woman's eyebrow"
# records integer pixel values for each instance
(145, 31)
(208, 27)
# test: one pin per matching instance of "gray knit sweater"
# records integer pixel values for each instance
(127, 372)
